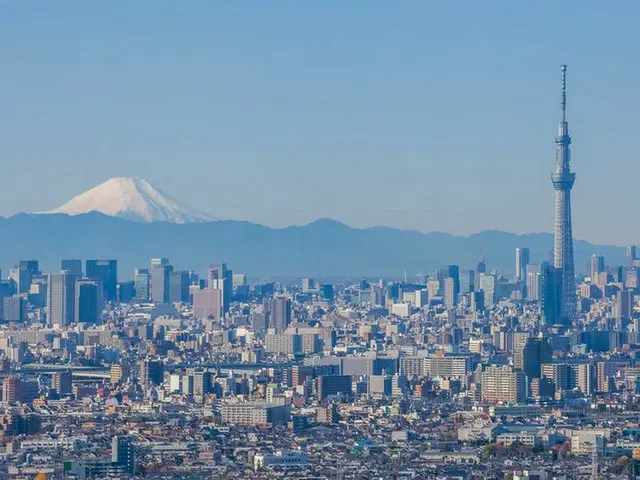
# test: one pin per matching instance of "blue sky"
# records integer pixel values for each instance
(429, 115)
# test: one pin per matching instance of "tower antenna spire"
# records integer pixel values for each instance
(563, 98)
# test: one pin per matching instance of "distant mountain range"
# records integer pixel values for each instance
(322, 248)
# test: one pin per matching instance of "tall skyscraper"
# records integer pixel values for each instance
(239, 280)
(480, 269)
(477, 301)
(61, 298)
(632, 254)
(20, 279)
(453, 271)
(31, 265)
(160, 272)
(488, 286)
(467, 281)
(597, 266)
(72, 266)
(207, 303)
(221, 278)
(562, 180)
(126, 291)
(279, 311)
(105, 272)
(141, 280)
(449, 292)
(88, 301)
(550, 293)
(308, 284)
(482, 266)
(179, 286)
(522, 260)
(624, 307)
(14, 309)
(533, 282)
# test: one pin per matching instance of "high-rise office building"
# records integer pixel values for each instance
(221, 278)
(31, 265)
(160, 273)
(20, 279)
(279, 312)
(327, 292)
(482, 267)
(207, 303)
(488, 286)
(73, 266)
(477, 301)
(632, 280)
(563, 180)
(105, 272)
(532, 292)
(453, 271)
(522, 260)
(239, 280)
(194, 280)
(597, 266)
(141, 280)
(14, 309)
(61, 298)
(433, 290)
(88, 301)
(122, 454)
(179, 286)
(308, 285)
(450, 299)
(126, 291)
(551, 294)
(632, 254)
(624, 307)
(467, 281)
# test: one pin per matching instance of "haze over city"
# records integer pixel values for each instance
(433, 116)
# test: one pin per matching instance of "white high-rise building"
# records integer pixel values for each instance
(61, 298)
(522, 260)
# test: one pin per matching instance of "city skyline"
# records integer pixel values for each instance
(462, 130)
(271, 240)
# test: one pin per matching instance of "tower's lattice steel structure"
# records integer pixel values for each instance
(563, 180)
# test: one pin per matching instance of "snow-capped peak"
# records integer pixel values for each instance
(131, 199)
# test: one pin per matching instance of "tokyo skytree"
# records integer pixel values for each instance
(563, 180)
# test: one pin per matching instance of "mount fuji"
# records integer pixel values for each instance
(132, 199)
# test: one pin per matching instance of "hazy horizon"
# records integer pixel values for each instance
(414, 116)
